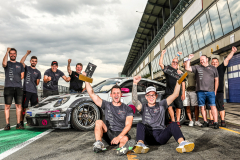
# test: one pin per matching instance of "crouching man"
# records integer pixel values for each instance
(118, 118)
(152, 130)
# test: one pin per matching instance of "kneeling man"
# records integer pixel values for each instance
(152, 130)
(118, 118)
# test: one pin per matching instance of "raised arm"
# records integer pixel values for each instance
(175, 94)
(161, 59)
(97, 100)
(67, 79)
(178, 54)
(226, 61)
(69, 67)
(188, 67)
(5, 59)
(24, 58)
(135, 100)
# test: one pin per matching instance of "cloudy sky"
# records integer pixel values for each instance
(96, 31)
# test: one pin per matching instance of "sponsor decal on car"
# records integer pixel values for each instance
(29, 114)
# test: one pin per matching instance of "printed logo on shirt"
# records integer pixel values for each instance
(18, 66)
(56, 74)
(35, 73)
(156, 110)
(76, 76)
(121, 112)
(10, 73)
(28, 77)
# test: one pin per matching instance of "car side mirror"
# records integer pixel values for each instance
(125, 90)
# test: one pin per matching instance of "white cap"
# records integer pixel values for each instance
(150, 89)
(185, 59)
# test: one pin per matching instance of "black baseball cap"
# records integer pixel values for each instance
(54, 63)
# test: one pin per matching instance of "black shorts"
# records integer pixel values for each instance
(28, 96)
(177, 103)
(12, 92)
(110, 135)
(47, 93)
(219, 102)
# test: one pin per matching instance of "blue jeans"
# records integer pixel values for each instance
(205, 96)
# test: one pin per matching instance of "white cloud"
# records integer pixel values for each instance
(97, 31)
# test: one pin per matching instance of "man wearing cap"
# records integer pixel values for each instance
(75, 83)
(206, 86)
(170, 85)
(152, 130)
(191, 97)
(51, 77)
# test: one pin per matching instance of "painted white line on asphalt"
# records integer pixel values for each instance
(20, 146)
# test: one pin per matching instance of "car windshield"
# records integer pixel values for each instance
(105, 86)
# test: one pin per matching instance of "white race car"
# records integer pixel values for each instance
(80, 112)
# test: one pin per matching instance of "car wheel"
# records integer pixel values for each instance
(182, 116)
(84, 116)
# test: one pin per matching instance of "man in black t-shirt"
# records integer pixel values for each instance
(75, 82)
(51, 77)
(14, 73)
(152, 130)
(118, 123)
(170, 85)
(219, 96)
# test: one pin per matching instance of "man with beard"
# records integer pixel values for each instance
(206, 86)
(31, 80)
(219, 96)
(51, 77)
(170, 85)
(75, 82)
(152, 130)
(118, 118)
(14, 73)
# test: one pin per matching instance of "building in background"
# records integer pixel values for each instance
(199, 27)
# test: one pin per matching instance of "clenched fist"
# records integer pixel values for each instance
(190, 56)
(136, 79)
(28, 52)
(49, 78)
(234, 49)
(8, 49)
(69, 61)
(163, 51)
(179, 53)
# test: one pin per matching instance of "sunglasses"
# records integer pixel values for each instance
(175, 62)
(151, 95)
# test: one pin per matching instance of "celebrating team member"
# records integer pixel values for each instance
(152, 130)
(51, 77)
(14, 73)
(171, 82)
(75, 82)
(206, 87)
(119, 119)
(219, 97)
(191, 97)
(31, 80)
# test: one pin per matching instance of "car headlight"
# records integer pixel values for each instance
(61, 101)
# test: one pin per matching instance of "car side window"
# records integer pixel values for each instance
(128, 84)
(159, 87)
(142, 85)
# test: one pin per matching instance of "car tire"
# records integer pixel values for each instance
(84, 116)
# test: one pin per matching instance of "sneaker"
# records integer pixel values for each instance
(205, 124)
(7, 127)
(127, 147)
(185, 146)
(179, 124)
(190, 123)
(98, 146)
(211, 122)
(197, 123)
(216, 126)
(19, 126)
(22, 123)
(223, 124)
(140, 148)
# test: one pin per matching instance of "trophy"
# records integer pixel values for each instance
(173, 73)
(89, 72)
